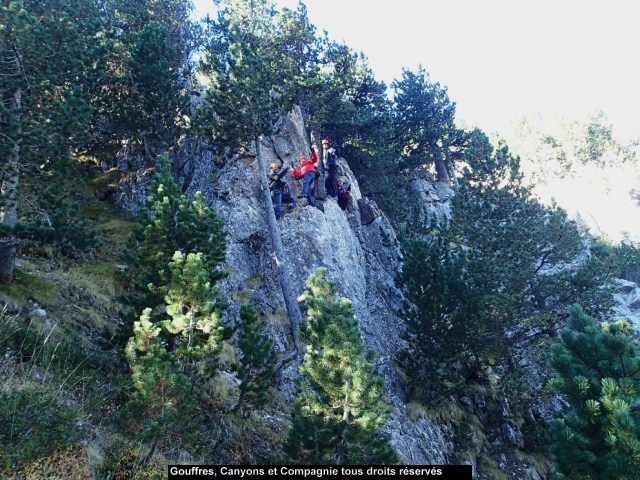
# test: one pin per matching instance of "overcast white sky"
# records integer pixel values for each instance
(501, 59)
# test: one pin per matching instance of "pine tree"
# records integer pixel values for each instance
(195, 318)
(338, 413)
(424, 123)
(256, 365)
(171, 222)
(511, 238)
(48, 56)
(63, 228)
(168, 357)
(162, 389)
(250, 87)
(599, 376)
(437, 327)
(486, 274)
(155, 80)
(146, 72)
(345, 103)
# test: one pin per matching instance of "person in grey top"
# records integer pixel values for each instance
(330, 164)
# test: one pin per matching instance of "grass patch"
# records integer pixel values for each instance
(112, 226)
(117, 230)
(542, 463)
(99, 278)
(37, 345)
(255, 282)
(447, 412)
(33, 423)
(471, 437)
(276, 319)
(232, 439)
(27, 286)
(490, 468)
(99, 180)
(223, 389)
(241, 296)
(124, 462)
(63, 360)
(227, 357)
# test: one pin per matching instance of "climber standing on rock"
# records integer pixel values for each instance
(307, 173)
(279, 189)
(343, 194)
(330, 164)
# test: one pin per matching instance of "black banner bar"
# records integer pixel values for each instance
(233, 472)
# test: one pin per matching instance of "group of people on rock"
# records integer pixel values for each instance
(309, 170)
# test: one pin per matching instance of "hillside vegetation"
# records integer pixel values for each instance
(117, 352)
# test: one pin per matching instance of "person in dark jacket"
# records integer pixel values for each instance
(330, 164)
(279, 189)
(343, 194)
(307, 173)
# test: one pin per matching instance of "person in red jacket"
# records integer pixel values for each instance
(307, 173)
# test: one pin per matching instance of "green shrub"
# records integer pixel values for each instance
(62, 227)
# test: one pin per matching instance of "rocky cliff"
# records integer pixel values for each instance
(361, 254)
(358, 248)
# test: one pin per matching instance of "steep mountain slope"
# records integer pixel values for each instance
(361, 254)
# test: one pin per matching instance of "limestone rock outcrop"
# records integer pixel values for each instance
(358, 248)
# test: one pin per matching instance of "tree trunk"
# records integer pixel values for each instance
(240, 400)
(189, 343)
(290, 299)
(152, 451)
(452, 172)
(7, 259)
(10, 173)
(441, 170)
(9, 188)
(345, 412)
